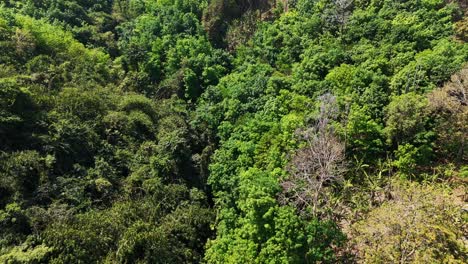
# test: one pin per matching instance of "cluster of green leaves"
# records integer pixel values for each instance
(379, 63)
(93, 24)
(90, 169)
(129, 135)
(166, 47)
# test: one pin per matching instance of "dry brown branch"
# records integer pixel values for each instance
(317, 166)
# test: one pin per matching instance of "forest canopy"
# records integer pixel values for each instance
(233, 131)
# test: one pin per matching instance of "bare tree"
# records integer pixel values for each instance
(343, 9)
(285, 4)
(449, 105)
(318, 165)
(338, 12)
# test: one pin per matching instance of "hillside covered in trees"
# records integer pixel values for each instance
(233, 131)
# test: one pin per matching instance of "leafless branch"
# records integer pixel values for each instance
(317, 166)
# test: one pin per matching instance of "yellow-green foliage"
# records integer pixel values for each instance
(422, 223)
(24, 254)
(59, 40)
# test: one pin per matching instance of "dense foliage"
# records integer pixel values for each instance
(233, 131)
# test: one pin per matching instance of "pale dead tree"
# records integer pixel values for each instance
(449, 106)
(24, 42)
(343, 10)
(316, 167)
(285, 4)
(339, 12)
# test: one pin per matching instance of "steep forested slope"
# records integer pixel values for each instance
(233, 131)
